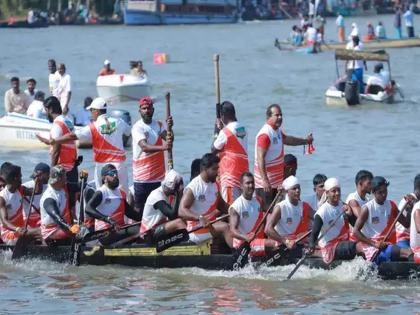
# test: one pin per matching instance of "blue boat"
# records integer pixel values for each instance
(156, 12)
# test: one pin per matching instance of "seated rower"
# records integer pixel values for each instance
(202, 202)
(415, 232)
(290, 218)
(245, 216)
(332, 226)
(11, 206)
(318, 182)
(108, 206)
(159, 216)
(356, 200)
(57, 226)
(374, 222)
(42, 172)
(406, 204)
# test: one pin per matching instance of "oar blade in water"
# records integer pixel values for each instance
(298, 264)
(241, 256)
(171, 240)
(21, 245)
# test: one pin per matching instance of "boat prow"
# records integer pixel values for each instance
(123, 87)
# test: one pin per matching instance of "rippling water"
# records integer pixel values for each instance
(383, 139)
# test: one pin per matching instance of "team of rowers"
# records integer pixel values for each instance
(220, 183)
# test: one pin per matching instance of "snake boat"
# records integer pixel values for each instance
(187, 256)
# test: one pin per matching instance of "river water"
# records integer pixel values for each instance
(383, 139)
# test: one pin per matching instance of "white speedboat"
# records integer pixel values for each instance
(123, 87)
(19, 131)
(347, 93)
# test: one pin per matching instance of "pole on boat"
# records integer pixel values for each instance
(217, 90)
(169, 130)
(77, 246)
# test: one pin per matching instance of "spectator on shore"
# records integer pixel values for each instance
(409, 21)
(397, 22)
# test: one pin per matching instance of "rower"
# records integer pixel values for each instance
(318, 182)
(356, 200)
(160, 217)
(106, 134)
(149, 144)
(57, 226)
(269, 154)
(62, 154)
(403, 233)
(231, 144)
(42, 172)
(108, 206)
(245, 216)
(106, 70)
(374, 222)
(415, 231)
(11, 206)
(290, 165)
(202, 202)
(333, 226)
(290, 218)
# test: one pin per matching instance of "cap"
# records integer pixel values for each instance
(108, 169)
(172, 178)
(40, 167)
(107, 62)
(56, 173)
(290, 182)
(147, 100)
(97, 103)
(379, 181)
(330, 183)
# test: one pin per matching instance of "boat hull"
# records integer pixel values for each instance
(122, 87)
(337, 98)
(378, 44)
(189, 256)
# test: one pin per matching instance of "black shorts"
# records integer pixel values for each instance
(345, 250)
(141, 192)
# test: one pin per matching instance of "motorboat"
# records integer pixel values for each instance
(346, 92)
(123, 87)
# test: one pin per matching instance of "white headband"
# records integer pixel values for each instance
(171, 179)
(290, 182)
(330, 183)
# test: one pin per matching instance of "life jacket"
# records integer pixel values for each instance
(112, 205)
(14, 208)
(68, 152)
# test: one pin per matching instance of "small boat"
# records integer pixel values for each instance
(378, 44)
(123, 87)
(19, 131)
(158, 12)
(187, 255)
(347, 92)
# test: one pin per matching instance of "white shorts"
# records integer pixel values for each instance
(200, 238)
(122, 174)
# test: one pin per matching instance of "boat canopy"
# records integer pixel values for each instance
(345, 54)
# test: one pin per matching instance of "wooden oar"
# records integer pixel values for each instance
(169, 130)
(217, 90)
(243, 251)
(180, 236)
(22, 242)
(104, 233)
(279, 254)
(388, 234)
(77, 246)
(305, 255)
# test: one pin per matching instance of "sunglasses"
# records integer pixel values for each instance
(113, 173)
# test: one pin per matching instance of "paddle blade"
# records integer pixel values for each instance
(171, 239)
(75, 253)
(241, 256)
(299, 263)
(21, 245)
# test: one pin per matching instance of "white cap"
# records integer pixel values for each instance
(290, 182)
(172, 178)
(107, 62)
(330, 183)
(97, 103)
(353, 24)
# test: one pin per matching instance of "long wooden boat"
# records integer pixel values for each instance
(378, 44)
(188, 256)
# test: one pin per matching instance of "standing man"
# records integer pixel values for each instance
(106, 134)
(341, 28)
(149, 145)
(15, 100)
(397, 22)
(409, 21)
(64, 154)
(269, 154)
(53, 78)
(291, 217)
(231, 144)
(202, 203)
(63, 92)
(31, 89)
(245, 216)
(374, 222)
(355, 67)
(106, 70)
(318, 182)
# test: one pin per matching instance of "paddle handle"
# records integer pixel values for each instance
(210, 223)
(217, 90)
(169, 130)
(31, 201)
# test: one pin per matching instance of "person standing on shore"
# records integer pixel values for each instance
(397, 23)
(409, 21)
(341, 29)
(53, 78)
(63, 92)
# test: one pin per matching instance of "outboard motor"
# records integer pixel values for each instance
(124, 115)
(351, 92)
